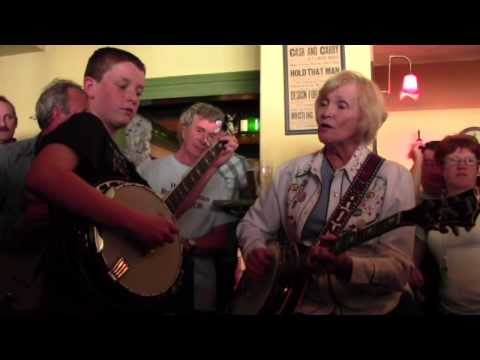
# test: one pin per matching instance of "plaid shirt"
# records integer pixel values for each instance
(235, 168)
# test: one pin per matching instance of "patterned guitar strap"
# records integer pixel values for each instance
(350, 201)
(354, 194)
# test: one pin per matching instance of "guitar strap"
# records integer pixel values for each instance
(349, 202)
(342, 213)
(354, 194)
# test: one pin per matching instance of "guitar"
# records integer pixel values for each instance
(280, 290)
(183, 189)
(453, 212)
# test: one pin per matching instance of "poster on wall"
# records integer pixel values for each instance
(306, 69)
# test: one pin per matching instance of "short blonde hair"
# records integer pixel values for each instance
(370, 100)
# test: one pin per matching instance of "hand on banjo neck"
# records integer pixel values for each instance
(220, 149)
(317, 258)
(321, 258)
(230, 144)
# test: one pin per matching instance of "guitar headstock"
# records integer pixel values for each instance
(438, 214)
(227, 126)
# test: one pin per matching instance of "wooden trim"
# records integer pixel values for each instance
(241, 82)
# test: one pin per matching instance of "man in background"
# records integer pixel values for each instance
(429, 184)
(58, 101)
(19, 288)
(426, 172)
(8, 121)
(210, 259)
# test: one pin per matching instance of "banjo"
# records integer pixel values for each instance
(115, 264)
(281, 288)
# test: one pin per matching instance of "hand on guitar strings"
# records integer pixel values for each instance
(321, 258)
(152, 230)
(258, 262)
(228, 150)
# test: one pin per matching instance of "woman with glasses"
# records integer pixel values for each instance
(458, 257)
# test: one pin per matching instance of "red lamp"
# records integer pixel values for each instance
(410, 83)
(410, 87)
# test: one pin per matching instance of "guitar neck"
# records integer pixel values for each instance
(355, 238)
(180, 193)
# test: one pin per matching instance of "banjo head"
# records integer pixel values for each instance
(142, 272)
(252, 294)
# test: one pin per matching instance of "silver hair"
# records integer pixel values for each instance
(207, 111)
(54, 95)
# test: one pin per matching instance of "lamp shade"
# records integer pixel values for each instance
(410, 87)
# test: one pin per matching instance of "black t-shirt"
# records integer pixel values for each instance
(99, 157)
(100, 160)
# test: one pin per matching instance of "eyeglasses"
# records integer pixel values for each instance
(455, 161)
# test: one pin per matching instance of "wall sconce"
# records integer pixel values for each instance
(410, 84)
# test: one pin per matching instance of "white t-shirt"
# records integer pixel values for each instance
(458, 258)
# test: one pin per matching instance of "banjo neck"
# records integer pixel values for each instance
(181, 191)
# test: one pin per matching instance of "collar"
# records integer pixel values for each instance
(350, 168)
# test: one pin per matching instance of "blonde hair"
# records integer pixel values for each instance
(370, 100)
